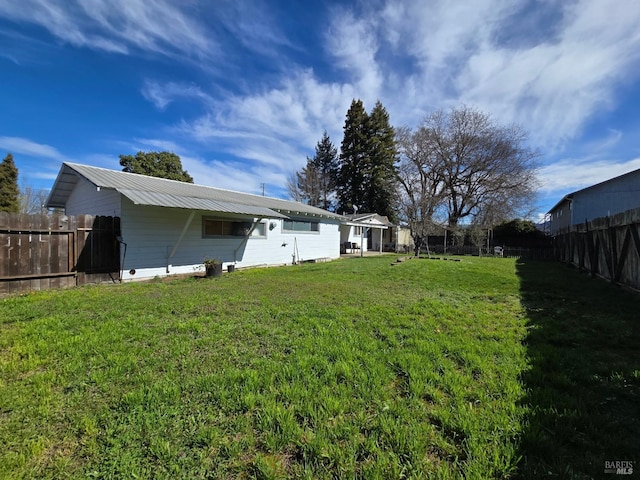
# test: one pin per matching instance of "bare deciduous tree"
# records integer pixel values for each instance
(478, 236)
(461, 164)
(304, 185)
(421, 178)
(32, 200)
(293, 189)
(488, 169)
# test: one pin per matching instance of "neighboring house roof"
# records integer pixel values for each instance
(369, 219)
(566, 198)
(153, 191)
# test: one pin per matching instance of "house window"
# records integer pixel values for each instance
(357, 231)
(300, 226)
(214, 227)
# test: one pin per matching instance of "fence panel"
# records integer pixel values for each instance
(98, 257)
(607, 247)
(43, 251)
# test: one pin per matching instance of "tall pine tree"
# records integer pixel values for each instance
(9, 192)
(326, 165)
(315, 183)
(354, 161)
(367, 176)
(383, 156)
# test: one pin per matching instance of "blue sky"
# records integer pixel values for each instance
(243, 90)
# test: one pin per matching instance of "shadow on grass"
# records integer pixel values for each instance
(583, 383)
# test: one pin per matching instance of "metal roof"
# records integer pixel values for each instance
(139, 197)
(153, 191)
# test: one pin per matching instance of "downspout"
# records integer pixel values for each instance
(124, 256)
(182, 234)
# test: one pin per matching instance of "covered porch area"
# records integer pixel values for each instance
(363, 233)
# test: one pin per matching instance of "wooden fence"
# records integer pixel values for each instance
(56, 251)
(607, 247)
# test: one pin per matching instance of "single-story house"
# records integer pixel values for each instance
(604, 199)
(372, 232)
(170, 227)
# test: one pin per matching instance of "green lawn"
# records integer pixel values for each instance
(479, 368)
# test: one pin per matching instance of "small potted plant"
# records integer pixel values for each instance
(213, 267)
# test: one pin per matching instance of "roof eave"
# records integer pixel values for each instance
(328, 215)
(568, 197)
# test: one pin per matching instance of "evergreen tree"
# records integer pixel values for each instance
(383, 157)
(315, 183)
(9, 192)
(156, 164)
(354, 161)
(367, 176)
(326, 166)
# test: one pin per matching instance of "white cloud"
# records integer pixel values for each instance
(440, 33)
(159, 144)
(116, 25)
(233, 175)
(412, 55)
(416, 58)
(241, 177)
(353, 44)
(557, 85)
(278, 127)
(207, 34)
(18, 145)
(551, 68)
(569, 175)
(257, 31)
(162, 94)
(606, 143)
(36, 162)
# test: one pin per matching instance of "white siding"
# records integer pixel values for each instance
(151, 234)
(404, 237)
(86, 199)
(347, 234)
